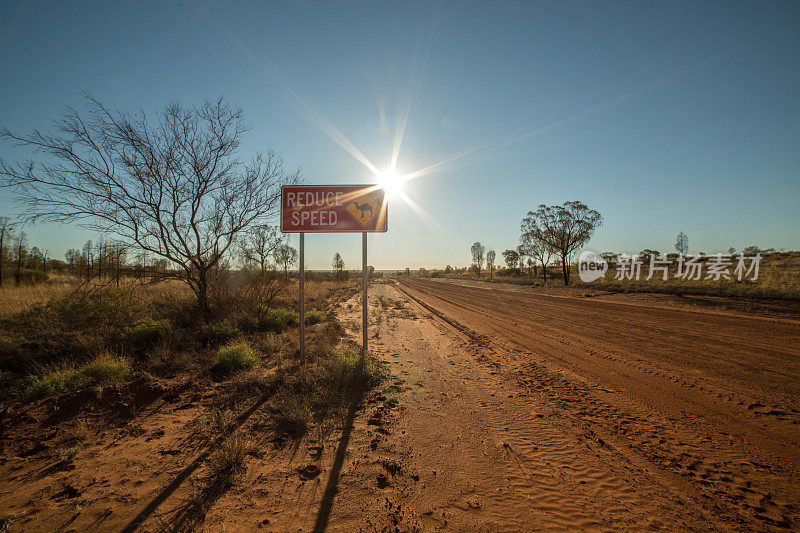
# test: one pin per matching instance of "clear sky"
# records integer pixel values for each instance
(663, 116)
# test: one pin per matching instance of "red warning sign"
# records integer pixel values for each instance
(333, 209)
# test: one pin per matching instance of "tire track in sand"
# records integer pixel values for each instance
(726, 467)
(507, 458)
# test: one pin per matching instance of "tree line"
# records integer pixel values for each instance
(551, 235)
(549, 231)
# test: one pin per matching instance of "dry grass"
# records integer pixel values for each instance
(56, 330)
(17, 298)
(227, 463)
(216, 423)
(163, 294)
(318, 293)
(779, 278)
(322, 390)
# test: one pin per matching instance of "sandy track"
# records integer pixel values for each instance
(699, 410)
(503, 412)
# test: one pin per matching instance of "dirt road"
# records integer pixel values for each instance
(504, 410)
(574, 412)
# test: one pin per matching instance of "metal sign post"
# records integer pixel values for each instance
(302, 275)
(364, 296)
(333, 209)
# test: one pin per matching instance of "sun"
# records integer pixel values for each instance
(391, 181)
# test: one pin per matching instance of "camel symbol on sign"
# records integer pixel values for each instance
(363, 208)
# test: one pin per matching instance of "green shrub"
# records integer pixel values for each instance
(353, 370)
(109, 307)
(107, 369)
(236, 357)
(68, 454)
(149, 334)
(314, 317)
(53, 382)
(219, 332)
(103, 370)
(278, 319)
(245, 322)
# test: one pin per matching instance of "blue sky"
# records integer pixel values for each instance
(662, 116)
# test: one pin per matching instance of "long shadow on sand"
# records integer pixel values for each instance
(333, 480)
(194, 465)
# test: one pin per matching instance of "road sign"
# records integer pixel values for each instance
(333, 209)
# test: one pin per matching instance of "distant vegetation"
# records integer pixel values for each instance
(552, 235)
(779, 278)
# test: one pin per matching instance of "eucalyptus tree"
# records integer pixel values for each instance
(682, 243)
(564, 228)
(477, 250)
(490, 257)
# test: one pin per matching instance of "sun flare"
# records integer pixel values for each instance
(392, 181)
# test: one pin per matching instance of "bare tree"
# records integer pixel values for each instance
(73, 259)
(682, 243)
(259, 244)
(490, 257)
(564, 228)
(337, 264)
(511, 257)
(285, 255)
(89, 258)
(34, 257)
(20, 252)
(101, 251)
(477, 250)
(6, 234)
(118, 258)
(538, 250)
(172, 186)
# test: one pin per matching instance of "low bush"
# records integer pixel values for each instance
(235, 357)
(322, 389)
(83, 310)
(351, 372)
(278, 319)
(148, 334)
(314, 317)
(107, 369)
(103, 370)
(169, 361)
(292, 413)
(227, 462)
(245, 322)
(219, 332)
(30, 277)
